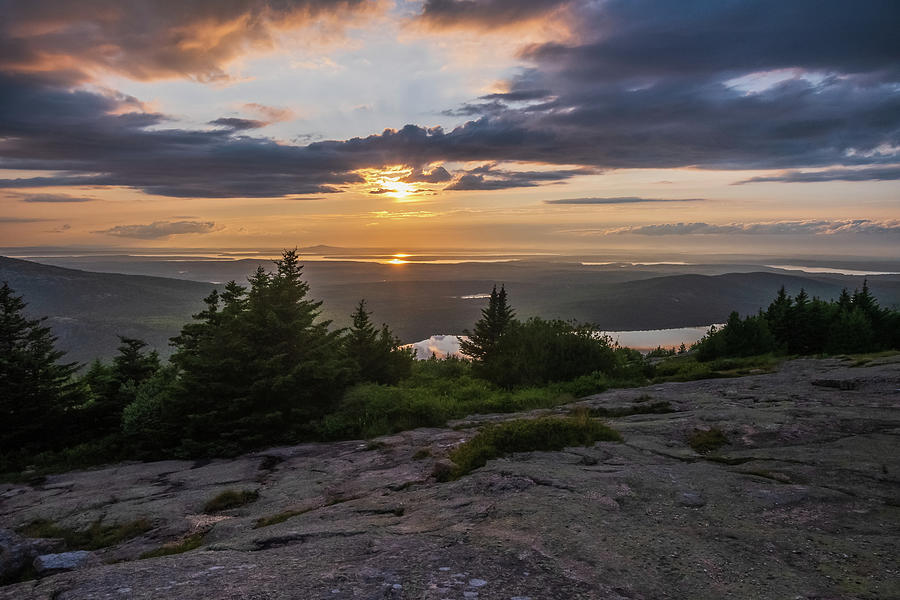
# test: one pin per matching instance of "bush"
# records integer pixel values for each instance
(230, 499)
(527, 435)
(430, 400)
(537, 352)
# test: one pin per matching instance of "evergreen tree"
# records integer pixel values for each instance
(778, 316)
(36, 389)
(494, 322)
(257, 367)
(113, 387)
(375, 355)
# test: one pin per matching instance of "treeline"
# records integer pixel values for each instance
(258, 367)
(801, 325)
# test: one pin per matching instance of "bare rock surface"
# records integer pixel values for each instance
(803, 502)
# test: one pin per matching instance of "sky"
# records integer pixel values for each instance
(724, 126)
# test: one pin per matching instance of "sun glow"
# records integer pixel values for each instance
(389, 181)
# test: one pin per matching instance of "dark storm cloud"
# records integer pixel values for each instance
(151, 40)
(488, 177)
(160, 229)
(54, 198)
(620, 200)
(667, 84)
(81, 134)
(856, 226)
(869, 174)
(660, 38)
(485, 14)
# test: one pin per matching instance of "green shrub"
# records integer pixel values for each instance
(688, 368)
(192, 542)
(526, 435)
(96, 536)
(230, 499)
(536, 352)
(706, 440)
(370, 410)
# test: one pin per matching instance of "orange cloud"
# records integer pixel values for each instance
(154, 40)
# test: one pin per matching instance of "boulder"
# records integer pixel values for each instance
(47, 564)
(17, 552)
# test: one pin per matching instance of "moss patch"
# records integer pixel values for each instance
(706, 440)
(526, 435)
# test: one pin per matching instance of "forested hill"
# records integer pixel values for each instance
(89, 309)
(677, 300)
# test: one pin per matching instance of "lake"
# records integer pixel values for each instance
(644, 340)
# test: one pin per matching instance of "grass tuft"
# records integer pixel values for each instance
(192, 542)
(230, 499)
(278, 518)
(96, 536)
(706, 440)
(526, 435)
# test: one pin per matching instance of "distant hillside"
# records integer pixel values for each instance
(89, 309)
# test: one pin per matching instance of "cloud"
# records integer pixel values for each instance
(152, 40)
(435, 175)
(54, 198)
(238, 124)
(271, 114)
(485, 14)
(160, 229)
(21, 220)
(518, 95)
(620, 200)
(869, 174)
(855, 226)
(642, 84)
(488, 177)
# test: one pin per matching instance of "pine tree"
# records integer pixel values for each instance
(113, 387)
(778, 316)
(375, 355)
(258, 366)
(494, 322)
(36, 389)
